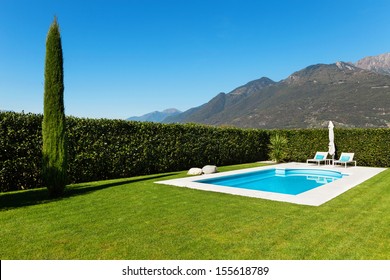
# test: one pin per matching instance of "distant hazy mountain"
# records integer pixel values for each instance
(379, 63)
(156, 116)
(342, 92)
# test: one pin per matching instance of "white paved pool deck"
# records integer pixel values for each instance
(314, 197)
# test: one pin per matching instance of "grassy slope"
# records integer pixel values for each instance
(137, 219)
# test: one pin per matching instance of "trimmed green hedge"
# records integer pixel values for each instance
(20, 151)
(371, 146)
(106, 149)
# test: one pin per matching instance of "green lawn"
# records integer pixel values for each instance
(137, 219)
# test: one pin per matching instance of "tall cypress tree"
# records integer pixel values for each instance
(53, 126)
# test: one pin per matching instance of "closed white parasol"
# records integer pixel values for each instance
(331, 148)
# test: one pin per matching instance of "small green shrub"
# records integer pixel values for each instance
(278, 145)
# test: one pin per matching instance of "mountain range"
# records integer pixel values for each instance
(349, 94)
(156, 116)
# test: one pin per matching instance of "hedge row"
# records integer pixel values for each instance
(107, 149)
(371, 146)
(20, 151)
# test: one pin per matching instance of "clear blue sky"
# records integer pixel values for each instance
(130, 57)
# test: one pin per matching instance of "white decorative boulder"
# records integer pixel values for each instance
(195, 171)
(209, 169)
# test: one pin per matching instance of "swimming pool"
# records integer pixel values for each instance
(351, 177)
(285, 181)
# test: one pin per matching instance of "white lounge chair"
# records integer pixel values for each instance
(318, 158)
(345, 158)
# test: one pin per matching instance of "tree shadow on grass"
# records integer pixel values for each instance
(41, 196)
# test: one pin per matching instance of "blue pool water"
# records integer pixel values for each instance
(286, 181)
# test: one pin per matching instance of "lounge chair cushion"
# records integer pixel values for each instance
(319, 157)
(344, 158)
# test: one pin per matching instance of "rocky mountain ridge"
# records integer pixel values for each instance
(342, 92)
(379, 63)
(349, 94)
